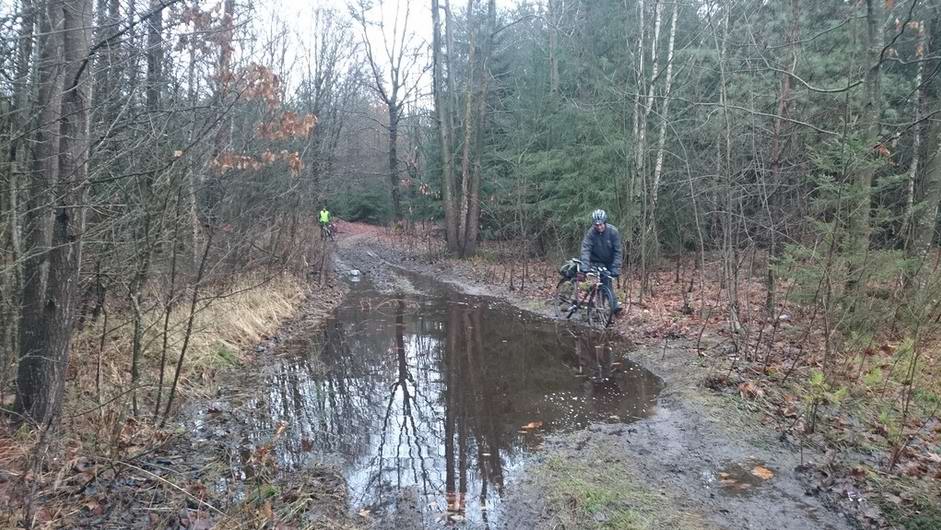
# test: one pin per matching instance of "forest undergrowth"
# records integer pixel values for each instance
(868, 402)
(102, 453)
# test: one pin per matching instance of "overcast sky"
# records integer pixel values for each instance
(297, 16)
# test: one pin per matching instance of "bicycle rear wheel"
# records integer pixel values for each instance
(566, 298)
(601, 308)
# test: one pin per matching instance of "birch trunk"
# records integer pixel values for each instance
(651, 230)
(918, 111)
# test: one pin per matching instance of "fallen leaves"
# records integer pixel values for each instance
(531, 426)
(267, 511)
(762, 472)
(282, 426)
(750, 390)
(94, 506)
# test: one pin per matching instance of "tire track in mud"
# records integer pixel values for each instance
(682, 460)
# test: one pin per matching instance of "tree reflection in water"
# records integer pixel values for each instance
(424, 399)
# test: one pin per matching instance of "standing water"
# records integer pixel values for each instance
(434, 402)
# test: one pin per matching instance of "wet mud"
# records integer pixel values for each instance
(713, 467)
(418, 405)
(429, 403)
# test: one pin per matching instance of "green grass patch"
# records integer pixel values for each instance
(922, 514)
(225, 356)
(601, 494)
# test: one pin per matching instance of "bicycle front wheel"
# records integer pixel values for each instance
(601, 308)
(566, 298)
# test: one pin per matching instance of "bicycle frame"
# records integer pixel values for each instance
(586, 297)
(326, 231)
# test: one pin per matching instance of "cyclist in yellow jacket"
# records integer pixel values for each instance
(326, 227)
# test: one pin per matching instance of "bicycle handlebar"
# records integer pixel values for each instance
(594, 270)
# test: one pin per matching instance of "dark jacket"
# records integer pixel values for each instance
(603, 248)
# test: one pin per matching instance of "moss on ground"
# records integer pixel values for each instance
(603, 494)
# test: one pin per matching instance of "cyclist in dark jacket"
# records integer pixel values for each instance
(602, 246)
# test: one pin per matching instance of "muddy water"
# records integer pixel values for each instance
(433, 403)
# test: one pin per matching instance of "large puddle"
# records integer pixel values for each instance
(434, 402)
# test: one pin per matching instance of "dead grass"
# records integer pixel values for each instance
(99, 441)
(226, 323)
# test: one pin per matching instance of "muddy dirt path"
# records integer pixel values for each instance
(684, 462)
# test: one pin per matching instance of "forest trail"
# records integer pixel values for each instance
(686, 462)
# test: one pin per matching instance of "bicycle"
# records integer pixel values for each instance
(327, 231)
(590, 298)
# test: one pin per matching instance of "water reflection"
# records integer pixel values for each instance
(434, 402)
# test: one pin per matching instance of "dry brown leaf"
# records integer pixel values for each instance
(762, 472)
(94, 506)
(282, 425)
(749, 390)
(266, 511)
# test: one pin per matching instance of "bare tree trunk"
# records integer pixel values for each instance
(453, 106)
(168, 304)
(640, 161)
(858, 225)
(154, 55)
(638, 98)
(188, 334)
(11, 281)
(225, 66)
(34, 343)
(473, 214)
(145, 240)
(920, 108)
(444, 132)
(394, 115)
(464, 212)
(925, 218)
(193, 177)
(553, 30)
(223, 136)
(50, 319)
(398, 90)
(724, 171)
(925, 227)
(775, 249)
(651, 229)
(104, 100)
